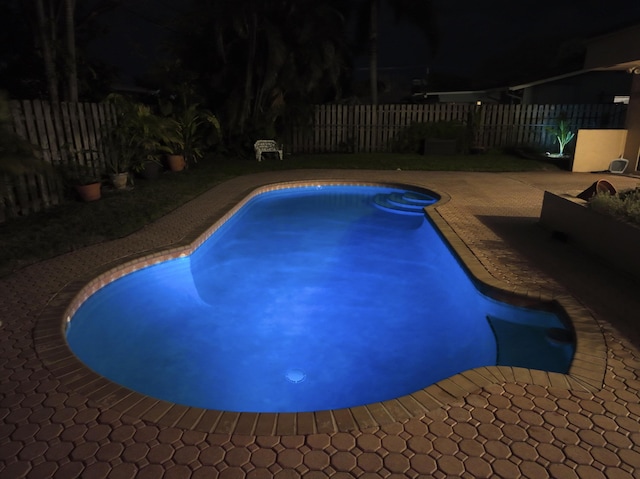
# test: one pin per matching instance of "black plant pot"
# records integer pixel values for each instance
(151, 170)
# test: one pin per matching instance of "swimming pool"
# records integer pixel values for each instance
(308, 299)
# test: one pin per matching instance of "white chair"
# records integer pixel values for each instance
(618, 166)
(267, 146)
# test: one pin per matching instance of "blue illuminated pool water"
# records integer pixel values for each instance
(308, 299)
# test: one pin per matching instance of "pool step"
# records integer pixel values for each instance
(411, 198)
(409, 203)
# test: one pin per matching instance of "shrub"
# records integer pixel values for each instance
(411, 139)
(625, 205)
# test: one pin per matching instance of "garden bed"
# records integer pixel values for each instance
(615, 241)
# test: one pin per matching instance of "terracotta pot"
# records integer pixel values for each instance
(600, 186)
(176, 162)
(90, 192)
(119, 180)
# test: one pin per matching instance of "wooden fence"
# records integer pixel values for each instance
(368, 128)
(66, 134)
(70, 132)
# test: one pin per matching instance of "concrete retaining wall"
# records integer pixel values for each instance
(616, 242)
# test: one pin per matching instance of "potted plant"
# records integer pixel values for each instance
(118, 173)
(85, 179)
(189, 130)
(173, 144)
(118, 162)
(133, 139)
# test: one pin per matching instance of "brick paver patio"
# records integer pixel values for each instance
(498, 422)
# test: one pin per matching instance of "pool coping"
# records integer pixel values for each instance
(586, 372)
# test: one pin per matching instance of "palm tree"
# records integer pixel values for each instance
(58, 51)
(417, 12)
(264, 56)
(70, 45)
(306, 60)
(46, 35)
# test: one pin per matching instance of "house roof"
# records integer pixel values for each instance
(548, 80)
(464, 96)
(618, 50)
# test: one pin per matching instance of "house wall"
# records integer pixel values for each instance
(593, 87)
(613, 240)
(595, 149)
(616, 48)
(621, 51)
(632, 146)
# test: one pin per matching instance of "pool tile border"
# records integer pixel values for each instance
(586, 372)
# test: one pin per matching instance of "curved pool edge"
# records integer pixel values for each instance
(586, 372)
(588, 366)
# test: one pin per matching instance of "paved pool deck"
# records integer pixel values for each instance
(61, 421)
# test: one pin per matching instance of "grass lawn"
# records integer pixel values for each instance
(73, 225)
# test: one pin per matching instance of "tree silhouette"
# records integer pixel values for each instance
(49, 28)
(418, 12)
(259, 60)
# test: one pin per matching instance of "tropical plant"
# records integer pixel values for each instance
(625, 205)
(198, 129)
(189, 129)
(263, 58)
(60, 28)
(17, 155)
(562, 131)
(135, 137)
(76, 173)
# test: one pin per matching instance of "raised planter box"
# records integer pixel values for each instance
(615, 241)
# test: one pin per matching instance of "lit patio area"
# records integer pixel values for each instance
(498, 422)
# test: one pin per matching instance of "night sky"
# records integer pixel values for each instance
(473, 31)
(470, 32)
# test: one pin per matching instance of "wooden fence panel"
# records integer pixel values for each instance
(318, 131)
(349, 119)
(39, 193)
(70, 132)
(26, 189)
(415, 114)
(63, 134)
(367, 128)
(360, 122)
(370, 126)
(15, 186)
(386, 118)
